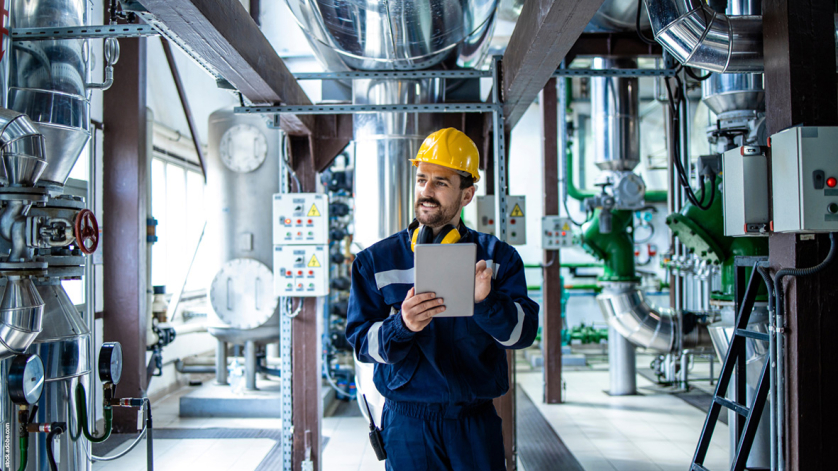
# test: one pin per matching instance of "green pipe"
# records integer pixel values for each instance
(584, 287)
(81, 417)
(23, 443)
(615, 248)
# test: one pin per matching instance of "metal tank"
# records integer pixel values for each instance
(242, 176)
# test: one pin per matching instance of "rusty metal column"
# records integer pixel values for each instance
(800, 90)
(124, 222)
(306, 344)
(551, 286)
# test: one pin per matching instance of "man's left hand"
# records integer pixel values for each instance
(482, 281)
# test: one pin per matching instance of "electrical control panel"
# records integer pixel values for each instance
(301, 219)
(804, 178)
(745, 191)
(516, 227)
(301, 271)
(556, 233)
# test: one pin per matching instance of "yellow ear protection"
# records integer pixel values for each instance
(425, 235)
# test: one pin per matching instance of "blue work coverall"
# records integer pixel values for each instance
(439, 383)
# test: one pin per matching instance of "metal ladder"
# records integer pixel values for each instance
(746, 420)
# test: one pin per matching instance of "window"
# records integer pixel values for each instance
(177, 202)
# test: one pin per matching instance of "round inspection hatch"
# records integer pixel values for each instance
(242, 294)
(243, 148)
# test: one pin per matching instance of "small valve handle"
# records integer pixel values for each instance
(86, 230)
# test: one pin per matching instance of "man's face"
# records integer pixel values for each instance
(439, 198)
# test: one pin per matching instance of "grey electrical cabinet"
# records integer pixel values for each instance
(804, 177)
(745, 192)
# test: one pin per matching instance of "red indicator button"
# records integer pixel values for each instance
(564, 233)
(299, 221)
(288, 273)
(299, 234)
(511, 221)
(300, 273)
(491, 221)
(300, 285)
(287, 222)
(310, 221)
(311, 272)
(831, 182)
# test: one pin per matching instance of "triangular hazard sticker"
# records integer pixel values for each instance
(516, 212)
(313, 263)
(565, 227)
(313, 212)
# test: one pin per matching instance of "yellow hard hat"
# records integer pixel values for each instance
(450, 148)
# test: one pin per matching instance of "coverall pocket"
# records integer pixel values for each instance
(401, 372)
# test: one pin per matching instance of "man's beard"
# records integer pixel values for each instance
(442, 216)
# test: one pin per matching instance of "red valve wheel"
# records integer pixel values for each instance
(86, 230)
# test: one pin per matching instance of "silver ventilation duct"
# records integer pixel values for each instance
(48, 82)
(21, 310)
(627, 310)
(383, 144)
(616, 119)
(395, 34)
(698, 36)
(615, 16)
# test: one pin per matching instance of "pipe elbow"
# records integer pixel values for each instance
(698, 36)
(642, 323)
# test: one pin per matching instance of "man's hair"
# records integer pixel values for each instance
(466, 181)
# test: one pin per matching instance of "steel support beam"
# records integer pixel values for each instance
(799, 72)
(184, 104)
(543, 35)
(551, 287)
(612, 45)
(223, 35)
(125, 187)
(306, 357)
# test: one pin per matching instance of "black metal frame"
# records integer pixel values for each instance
(746, 420)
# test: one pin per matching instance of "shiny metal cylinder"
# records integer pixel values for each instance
(8, 422)
(64, 340)
(622, 365)
(250, 365)
(221, 363)
(616, 120)
(724, 93)
(57, 404)
(616, 16)
(396, 34)
(384, 143)
(47, 81)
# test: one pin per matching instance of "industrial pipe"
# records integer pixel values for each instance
(699, 36)
(614, 248)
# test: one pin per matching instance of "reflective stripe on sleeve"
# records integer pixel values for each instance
(390, 277)
(372, 342)
(516, 332)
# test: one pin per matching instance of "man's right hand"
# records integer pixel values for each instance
(418, 310)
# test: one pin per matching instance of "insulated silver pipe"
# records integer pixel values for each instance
(615, 114)
(622, 365)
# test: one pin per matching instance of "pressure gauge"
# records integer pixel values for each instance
(26, 379)
(110, 362)
(243, 148)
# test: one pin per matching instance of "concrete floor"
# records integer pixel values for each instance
(653, 431)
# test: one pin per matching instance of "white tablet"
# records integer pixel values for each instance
(448, 271)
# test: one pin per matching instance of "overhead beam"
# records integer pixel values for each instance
(543, 35)
(611, 45)
(223, 34)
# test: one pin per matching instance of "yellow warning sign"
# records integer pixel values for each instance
(313, 212)
(516, 212)
(313, 263)
(566, 227)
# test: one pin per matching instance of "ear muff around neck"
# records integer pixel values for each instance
(425, 235)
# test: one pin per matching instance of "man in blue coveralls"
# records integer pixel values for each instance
(439, 376)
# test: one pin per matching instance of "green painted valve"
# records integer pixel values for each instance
(702, 233)
(615, 249)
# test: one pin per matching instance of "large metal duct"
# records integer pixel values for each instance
(48, 82)
(383, 144)
(615, 115)
(627, 310)
(395, 34)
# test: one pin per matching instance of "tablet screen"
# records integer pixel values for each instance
(448, 271)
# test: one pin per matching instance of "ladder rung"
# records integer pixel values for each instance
(752, 335)
(741, 410)
(698, 467)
